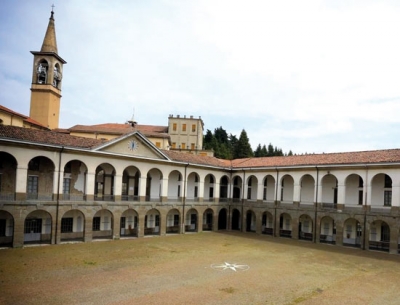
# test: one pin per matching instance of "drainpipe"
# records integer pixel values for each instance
(58, 192)
(243, 185)
(230, 200)
(184, 200)
(316, 207)
(276, 199)
(365, 208)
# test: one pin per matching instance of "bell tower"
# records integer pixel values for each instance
(47, 80)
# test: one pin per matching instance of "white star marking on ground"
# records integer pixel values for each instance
(228, 266)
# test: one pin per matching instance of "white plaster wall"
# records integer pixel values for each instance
(352, 189)
(288, 189)
(328, 186)
(173, 185)
(307, 189)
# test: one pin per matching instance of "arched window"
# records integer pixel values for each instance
(56, 76)
(42, 71)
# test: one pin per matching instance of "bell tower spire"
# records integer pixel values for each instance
(46, 79)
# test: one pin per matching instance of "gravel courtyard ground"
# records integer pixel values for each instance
(183, 269)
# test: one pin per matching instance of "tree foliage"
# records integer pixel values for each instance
(230, 147)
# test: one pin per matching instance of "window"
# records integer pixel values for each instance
(183, 145)
(42, 72)
(32, 187)
(192, 147)
(193, 128)
(176, 220)
(387, 201)
(123, 222)
(33, 226)
(158, 144)
(388, 182)
(360, 182)
(96, 224)
(183, 127)
(157, 220)
(66, 185)
(174, 126)
(360, 197)
(67, 225)
(195, 192)
(173, 145)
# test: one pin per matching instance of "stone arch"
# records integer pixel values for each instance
(175, 188)
(8, 172)
(6, 229)
(173, 221)
(269, 188)
(285, 225)
(236, 223)
(223, 188)
(307, 190)
(191, 220)
(381, 190)
(327, 230)
(352, 233)
(42, 71)
(305, 227)
(154, 185)
(152, 222)
(57, 75)
(222, 219)
(102, 224)
(209, 187)
(287, 188)
(208, 217)
(379, 236)
(72, 226)
(251, 221)
(104, 182)
(252, 187)
(267, 223)
(329, 191)
(37, 227)
(74, 181)
(354, 194)
(130, 184)
(193, 184)
(129, 223)
(40, 179)
(236, 188)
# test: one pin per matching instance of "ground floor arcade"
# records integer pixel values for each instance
(360, 228)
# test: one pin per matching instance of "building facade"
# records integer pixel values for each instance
(56, 186)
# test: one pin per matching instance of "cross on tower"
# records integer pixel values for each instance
(52, 8)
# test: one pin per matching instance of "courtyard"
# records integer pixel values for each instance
(204, 268)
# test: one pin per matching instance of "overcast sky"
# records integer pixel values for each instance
(306, 76)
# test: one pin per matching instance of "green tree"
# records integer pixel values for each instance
(242, 149)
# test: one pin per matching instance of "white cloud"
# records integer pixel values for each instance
(307, 76)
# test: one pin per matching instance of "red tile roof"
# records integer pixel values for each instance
(24, 117)
(374, 156)
(196, 159)
(346, 158)
(119, 129)
(46, 137)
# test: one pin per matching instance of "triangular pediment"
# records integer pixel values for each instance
(134, 144)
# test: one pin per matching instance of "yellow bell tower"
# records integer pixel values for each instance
(46, 80)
